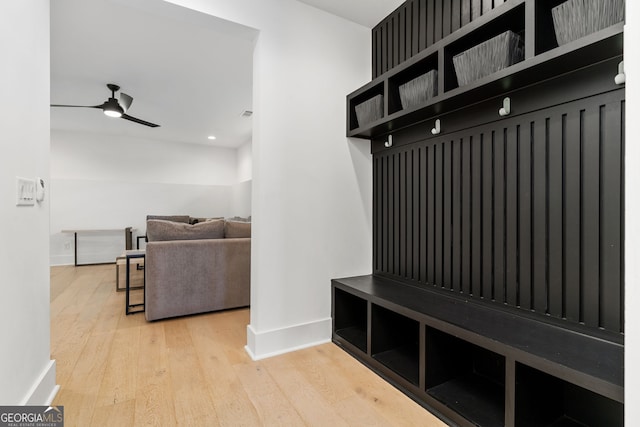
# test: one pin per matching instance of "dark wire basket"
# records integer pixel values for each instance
(488, 57)
(419, 90)
(574, 19)
(369, 110)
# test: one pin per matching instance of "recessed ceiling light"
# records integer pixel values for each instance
(211, 137)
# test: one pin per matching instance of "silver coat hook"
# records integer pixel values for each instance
(506, 107)
(436, 129)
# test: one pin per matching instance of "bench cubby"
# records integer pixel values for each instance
(395, 342)
(350, 318)
(465, 377)
(544, 400)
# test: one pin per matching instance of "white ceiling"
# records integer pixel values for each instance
(364, 12)
(189, 72)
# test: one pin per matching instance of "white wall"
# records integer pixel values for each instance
(245, 162)
(241, 192)
(27, 375)
(311, 198)
(632, 217)
(101, 157)
(113, 181)
(241, 199)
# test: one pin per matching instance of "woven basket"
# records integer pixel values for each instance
(419, 90)
(488, 57)
(574, 19)
(369, 110)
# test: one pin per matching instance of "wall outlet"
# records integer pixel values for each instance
(67, 246)
(25, 191)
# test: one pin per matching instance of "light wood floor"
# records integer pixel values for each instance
(120, 370)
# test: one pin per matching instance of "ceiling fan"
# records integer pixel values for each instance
(113, 107)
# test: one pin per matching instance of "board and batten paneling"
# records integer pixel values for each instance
(526, 212)
(416, 25)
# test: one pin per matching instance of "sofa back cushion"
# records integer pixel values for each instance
(174, 218)
(161, 230)
(236, 229)
(194, 220)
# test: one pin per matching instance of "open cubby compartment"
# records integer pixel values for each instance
(420, 68)
(545, 34)
(395, 342)
(350, 318)
(545, 400)
(364, 95)
(511, 20)
(465, 377)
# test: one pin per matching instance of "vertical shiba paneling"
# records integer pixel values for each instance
(525, 224)
(539, 214)
(527, 212)
(487, 215)
(465, 218)
(456, 215)
(418, 233)
(572, 214)
(554, 209)
(447, 215)
(611, 217)
(475, 143)
(512, 284)
(499, 210)
(590, 215)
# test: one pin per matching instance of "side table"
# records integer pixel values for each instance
(131, 308)
(122, 261)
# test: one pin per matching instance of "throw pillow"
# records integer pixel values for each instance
(160, 230)
(237, 229)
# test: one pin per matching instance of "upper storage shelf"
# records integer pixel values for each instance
(526, 25)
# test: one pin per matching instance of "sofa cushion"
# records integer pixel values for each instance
(159, 230)
(174, 218)
(237, 229)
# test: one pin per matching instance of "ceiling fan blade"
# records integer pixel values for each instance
(77, 106)
(125, 101)
(142, 122)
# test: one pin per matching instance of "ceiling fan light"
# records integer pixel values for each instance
(111, 108)
(113, 113)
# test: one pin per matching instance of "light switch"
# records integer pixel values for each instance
(25, 191)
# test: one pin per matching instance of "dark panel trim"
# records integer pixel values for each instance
(591, 216)
(511, 226)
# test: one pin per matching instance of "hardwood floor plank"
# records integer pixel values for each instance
(230, 399)
(115, 369)
(154, 395)
(192, 405)
(272, 405)
(121, 373)
(310, 403)
(120, 414)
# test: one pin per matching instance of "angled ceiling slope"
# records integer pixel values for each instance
(364, 12)
(189, 72)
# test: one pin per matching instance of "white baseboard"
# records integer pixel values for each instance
(44, 390)
(264, 344)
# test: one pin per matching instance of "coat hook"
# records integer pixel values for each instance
(389, 142)
(436, 129)
(506, 107)
(620, 77)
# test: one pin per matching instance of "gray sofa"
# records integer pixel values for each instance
(196, 268)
